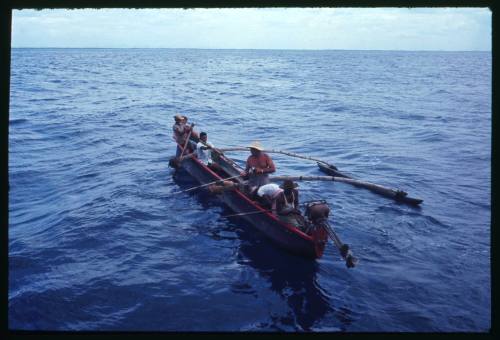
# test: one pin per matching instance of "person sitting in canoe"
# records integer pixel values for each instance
(287, 205)
(181, 132)
(288, 201)
(258, 167)
(284, 202)
(204, 152)
(269, 194)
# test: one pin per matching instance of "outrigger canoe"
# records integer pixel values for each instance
(284, 235)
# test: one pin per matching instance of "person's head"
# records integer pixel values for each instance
(288, 186)
(254, 152)
(255, 148)
(177, 118)
(203, 136)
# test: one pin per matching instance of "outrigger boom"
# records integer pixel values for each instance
(335, 174)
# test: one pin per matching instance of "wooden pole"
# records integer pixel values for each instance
(291, 154)
(229, 160)
(205, 185)
(343, 248)
(248, 213)
(388, 192)
(187, 141)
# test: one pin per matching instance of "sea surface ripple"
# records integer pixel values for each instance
(97, 240)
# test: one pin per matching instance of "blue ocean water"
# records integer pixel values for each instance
(97, 240)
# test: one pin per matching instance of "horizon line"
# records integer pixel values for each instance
(251, 49)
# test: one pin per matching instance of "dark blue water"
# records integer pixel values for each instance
(97, 241)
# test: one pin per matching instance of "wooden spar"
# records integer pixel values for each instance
(330, 169)
(248, 213)
(211, 147)
(387, 192)
(176, 161)
(291, 154)
(194, 153)
(219, 153)
(397, 195)
(222, 181)
(354, 182)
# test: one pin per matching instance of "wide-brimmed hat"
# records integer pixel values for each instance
(288, 184)
(256, 145)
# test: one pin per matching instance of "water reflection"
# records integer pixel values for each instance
(293, 278)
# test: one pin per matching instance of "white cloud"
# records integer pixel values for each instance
(294, 28)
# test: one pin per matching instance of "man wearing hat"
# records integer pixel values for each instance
(259, 166)
(284, 202)
(181, 131)
(289, 200)
(287, 205)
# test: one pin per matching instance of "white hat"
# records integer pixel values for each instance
(256, 145)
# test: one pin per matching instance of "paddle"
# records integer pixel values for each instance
(176, 161)
(187, 141)
(345, 252)
(291, 154)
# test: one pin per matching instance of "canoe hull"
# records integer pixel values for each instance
(284, 235)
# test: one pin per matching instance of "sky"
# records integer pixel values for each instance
(444, 29)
